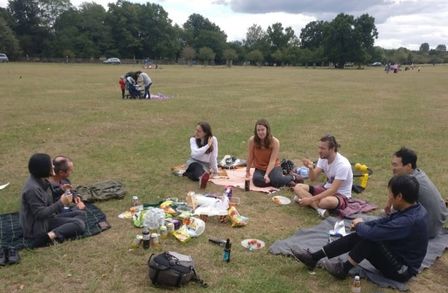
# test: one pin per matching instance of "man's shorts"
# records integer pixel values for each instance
(342, 200)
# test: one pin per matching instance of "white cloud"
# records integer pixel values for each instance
(400, 23)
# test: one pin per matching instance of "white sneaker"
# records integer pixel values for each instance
(323, 213)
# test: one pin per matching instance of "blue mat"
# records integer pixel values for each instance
(11, 233)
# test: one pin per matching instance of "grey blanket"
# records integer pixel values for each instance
(318, 236)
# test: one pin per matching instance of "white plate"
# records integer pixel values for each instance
(281, 200)
(4, 186)
(252, 244)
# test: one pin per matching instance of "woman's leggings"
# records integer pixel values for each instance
(276, 176)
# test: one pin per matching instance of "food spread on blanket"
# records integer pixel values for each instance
(186, 220)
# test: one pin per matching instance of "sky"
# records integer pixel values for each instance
(400, 23)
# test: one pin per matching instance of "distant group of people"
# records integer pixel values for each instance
(137, 84)
(395, 244)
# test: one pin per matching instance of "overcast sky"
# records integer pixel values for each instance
(400, 23)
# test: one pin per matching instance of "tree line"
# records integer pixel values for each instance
(55, 28)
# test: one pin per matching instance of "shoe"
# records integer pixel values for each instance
(13, 256)
(3, 259)
(323, 213)
(336, 269)
(305, 257)
(203, 180)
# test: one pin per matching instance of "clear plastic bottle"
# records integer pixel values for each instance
(163, 232)
(135, 201)
(356, 285)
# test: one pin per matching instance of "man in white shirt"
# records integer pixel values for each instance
(336, 191)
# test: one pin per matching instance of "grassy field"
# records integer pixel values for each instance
(77, 110)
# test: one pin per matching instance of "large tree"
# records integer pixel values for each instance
(312, 35)
(28, 25)
(200, 32)
(349, 40)
(424, 48)
(8, 41)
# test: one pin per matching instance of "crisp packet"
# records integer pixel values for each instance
(236, 219)
(182, 234)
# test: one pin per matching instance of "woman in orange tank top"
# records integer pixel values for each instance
(263, 150)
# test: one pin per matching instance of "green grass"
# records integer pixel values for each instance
(76, 110)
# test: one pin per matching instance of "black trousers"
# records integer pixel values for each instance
(68, 225)
(276, 176)
(375, 252)
(194, 171)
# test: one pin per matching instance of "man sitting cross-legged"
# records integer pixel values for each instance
(395, 245)
(338, 187)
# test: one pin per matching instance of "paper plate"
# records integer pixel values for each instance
(252, 244)
(281, 200)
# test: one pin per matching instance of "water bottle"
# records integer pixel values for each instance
(67, 193)
(135, 201)
(227, 249)
(356, 285)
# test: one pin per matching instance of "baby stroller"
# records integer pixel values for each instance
(133, 90)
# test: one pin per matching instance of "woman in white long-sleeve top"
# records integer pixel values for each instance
(204, 153)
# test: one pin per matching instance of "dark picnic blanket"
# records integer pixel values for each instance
(317, 236)
(11, 233)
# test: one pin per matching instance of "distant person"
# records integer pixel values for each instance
(203, 160)
(336, 191)
(122, 84)
(395, 245)
(404, 161)
(147, 82)
(263, 154)
(40, 216)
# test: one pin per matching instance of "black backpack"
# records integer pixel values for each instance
(172, 269)
(287, 166)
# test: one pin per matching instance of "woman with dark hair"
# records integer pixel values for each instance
(263, 150)
(204, 154)
(40, 216)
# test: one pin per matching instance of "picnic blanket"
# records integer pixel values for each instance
(318, 236)
(237, 177)
(11, 234)
(159, 96)
(356, 206)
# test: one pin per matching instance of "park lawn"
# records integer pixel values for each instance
(77, 110)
